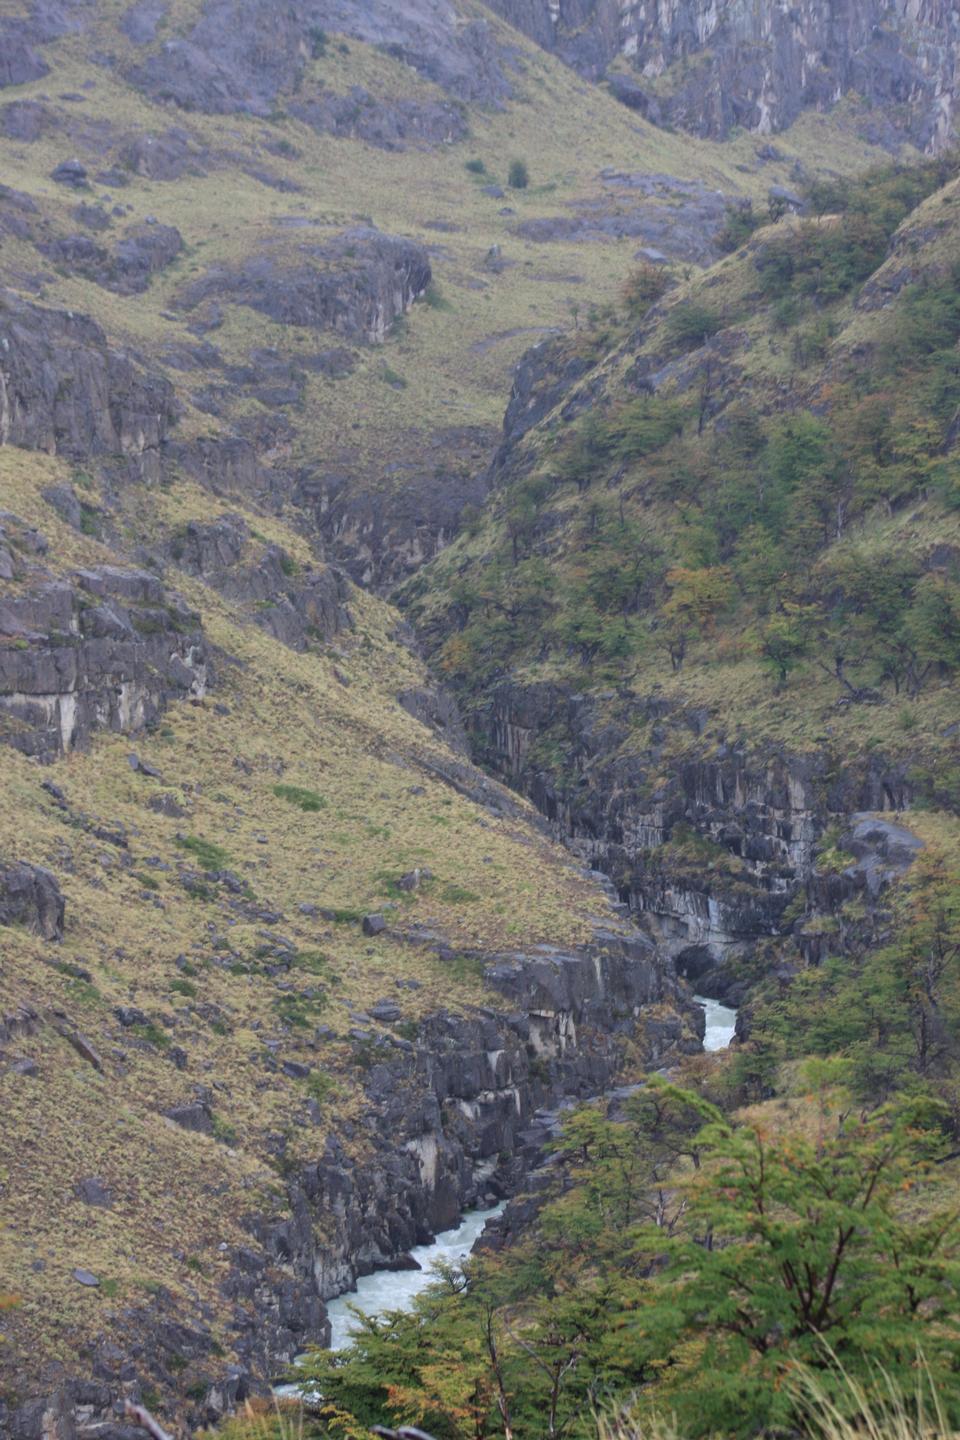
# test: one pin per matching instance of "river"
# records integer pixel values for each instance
(721, 1023)
(396, 1289)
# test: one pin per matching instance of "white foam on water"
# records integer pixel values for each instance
(721, 1023)
(397, 1289)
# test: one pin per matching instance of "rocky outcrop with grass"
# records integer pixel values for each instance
(108, 649)
(357, 284)
(709, 68)
(65, 390)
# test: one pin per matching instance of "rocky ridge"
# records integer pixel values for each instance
(709, 68)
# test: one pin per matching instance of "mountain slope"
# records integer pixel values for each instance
(285, 978)
(261, 177)
(715, 589)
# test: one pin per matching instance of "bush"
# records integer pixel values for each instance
(319, 41)
(519, 176)
(643, 287)
(475, 167)
(692, 324)
(739, 225)
(306, 800)
(208, 855)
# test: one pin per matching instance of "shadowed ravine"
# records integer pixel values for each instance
(386, 1290)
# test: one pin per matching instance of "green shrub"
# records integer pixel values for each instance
(475, 167)
(306, 800)
(739, 225)
(453, 894)
(691, 324)
(320, 1086)
(518, 177)
(208, 855)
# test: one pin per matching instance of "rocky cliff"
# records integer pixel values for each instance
(716, 850)
(709, 67)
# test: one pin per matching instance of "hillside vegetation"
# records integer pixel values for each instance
(749, 499)
(288, 981)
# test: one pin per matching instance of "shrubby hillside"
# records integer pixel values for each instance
(379, 780)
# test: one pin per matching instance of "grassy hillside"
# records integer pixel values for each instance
(748, 502)
(418, 415)
(213, 908)
(199, 1068)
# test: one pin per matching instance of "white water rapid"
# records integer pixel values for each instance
(721, 1023)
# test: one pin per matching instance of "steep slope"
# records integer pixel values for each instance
(211, 1062)
(284, 978)
(711, 609)
(227, 167)
(710, 68)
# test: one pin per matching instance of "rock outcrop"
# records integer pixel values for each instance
(356, 284)
(718, 857)
(707, 67)
(452, 1117)
(127, 269)
(244, 55)
(108, 649)
(294, 606)
(390, 124)
(65, 390)
(30, 896)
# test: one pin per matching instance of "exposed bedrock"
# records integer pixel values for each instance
(708, 66)
(108, 649)
(356, 284)
(245, 55)
(30, 896)
(452, 1118)
(294, 606)
(712, 850)
(65, 390)
(385, 534)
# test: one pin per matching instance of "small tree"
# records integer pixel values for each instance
(643, 287)
(519, 176)
(692, 324)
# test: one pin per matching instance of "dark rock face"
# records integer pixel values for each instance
(356, 284)
(162, 157)
(680, 217)
(293, 607)
(381, 538)
(19, 62)
(128, 268)
(759, 814)
(389, 124)
(451, 1119)
(243, 55)
(30, 896)
(25, 120)
(107, 651)
(708, 67)
(197, 1117)
(72, 174)
(65, 390)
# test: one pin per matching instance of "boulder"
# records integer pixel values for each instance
(30, 896)
(197, 1117)
(93, 1191)
(72, 174)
